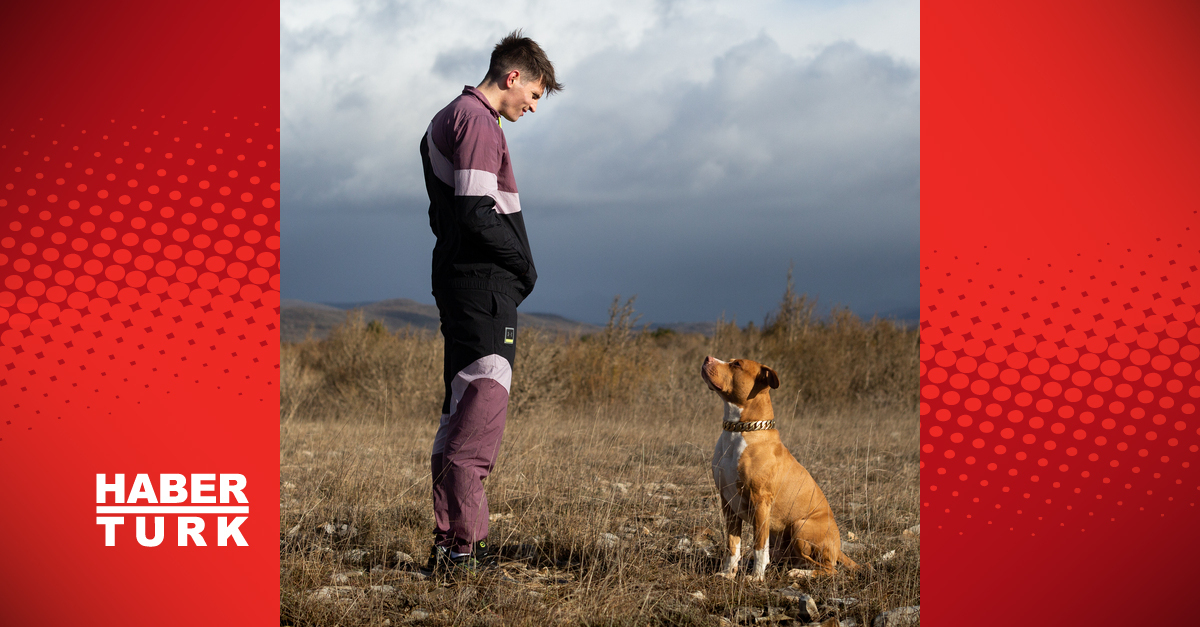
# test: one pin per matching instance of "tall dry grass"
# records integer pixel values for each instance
(606, 511)
(362, 372)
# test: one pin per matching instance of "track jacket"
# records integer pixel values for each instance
(474, 209)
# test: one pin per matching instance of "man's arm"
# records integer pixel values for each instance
(476, 194)
(479, 220)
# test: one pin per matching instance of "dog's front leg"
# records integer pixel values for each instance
(733, 537)
(762, 537)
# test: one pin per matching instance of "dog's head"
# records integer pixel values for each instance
(737, 380)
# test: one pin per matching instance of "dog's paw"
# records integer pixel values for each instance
(727, 574)
(758, 577)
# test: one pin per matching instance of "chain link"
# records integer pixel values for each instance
(759, 425)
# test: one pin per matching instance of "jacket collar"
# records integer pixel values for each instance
(468, 90)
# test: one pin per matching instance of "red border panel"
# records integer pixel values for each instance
(139, 293)
(1059, 298)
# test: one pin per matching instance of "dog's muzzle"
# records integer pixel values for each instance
(757, 425)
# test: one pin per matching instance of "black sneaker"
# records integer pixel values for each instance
(468, 564)
(439, 559)
(483, 553)
(480, 558)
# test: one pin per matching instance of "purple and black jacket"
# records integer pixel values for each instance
(474, 209)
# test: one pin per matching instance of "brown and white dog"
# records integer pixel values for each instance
(760, 482)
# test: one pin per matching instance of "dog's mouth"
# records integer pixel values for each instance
(704, 375)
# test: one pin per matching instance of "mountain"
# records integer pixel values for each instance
(299, 318)
(703, 328)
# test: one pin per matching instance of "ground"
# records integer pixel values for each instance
(604, 514)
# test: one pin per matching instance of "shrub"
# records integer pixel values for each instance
(363, 371)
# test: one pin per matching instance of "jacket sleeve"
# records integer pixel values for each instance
(528, 280)
(477, 161)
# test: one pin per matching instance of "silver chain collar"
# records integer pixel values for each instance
(758, 425)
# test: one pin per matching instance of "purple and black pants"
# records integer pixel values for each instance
(479, 328)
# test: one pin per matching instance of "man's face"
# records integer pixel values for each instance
(521, 96)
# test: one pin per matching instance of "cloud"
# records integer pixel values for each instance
(685, 126)
(765, 127)
(462, 64)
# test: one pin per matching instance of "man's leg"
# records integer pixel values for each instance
(471, 447)
(480, 332)
(437, 464)
(441, 507)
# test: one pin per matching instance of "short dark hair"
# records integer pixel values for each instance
(516, 52)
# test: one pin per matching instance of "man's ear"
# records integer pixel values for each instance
(514, 77)
(767, 377)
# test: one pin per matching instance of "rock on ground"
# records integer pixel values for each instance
(329, 593)
(805, 605)
(899, 617)
(345, 577)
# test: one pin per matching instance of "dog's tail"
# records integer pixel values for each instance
(846, 561)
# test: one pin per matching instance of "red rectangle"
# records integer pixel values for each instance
(139, 252)
(1059, 329)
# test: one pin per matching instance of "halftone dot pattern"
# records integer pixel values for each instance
(1060, 393)
(126, 271)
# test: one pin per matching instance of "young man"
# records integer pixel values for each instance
(482, 269)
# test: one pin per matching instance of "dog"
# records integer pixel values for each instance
(759, 480)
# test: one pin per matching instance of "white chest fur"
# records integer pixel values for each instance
(725, 464)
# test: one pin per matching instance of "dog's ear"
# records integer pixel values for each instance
(767, 377)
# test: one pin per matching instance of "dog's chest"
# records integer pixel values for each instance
(730, 447)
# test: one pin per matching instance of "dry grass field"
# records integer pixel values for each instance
(603, 505)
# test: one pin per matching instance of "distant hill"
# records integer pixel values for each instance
(703, 328)
(299, 317)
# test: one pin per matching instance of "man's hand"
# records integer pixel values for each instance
(527, 280)
(478, 218)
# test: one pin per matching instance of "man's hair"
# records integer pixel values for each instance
(515, 52)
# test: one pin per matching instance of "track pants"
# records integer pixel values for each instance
(479, 328)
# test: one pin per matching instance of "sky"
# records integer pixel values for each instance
(699, 149)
